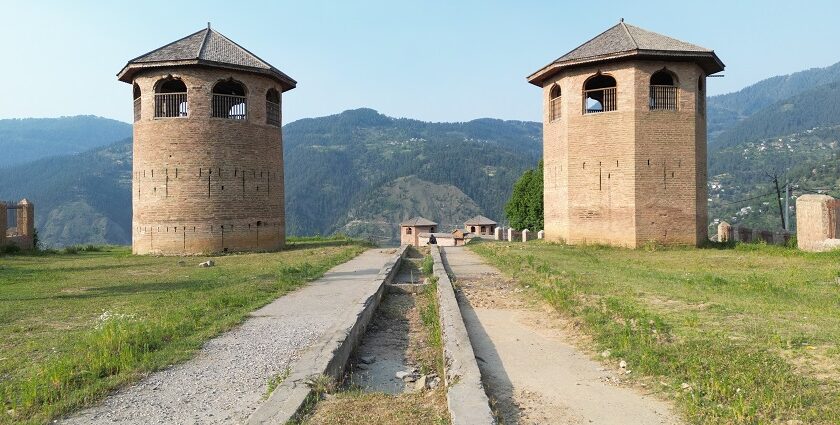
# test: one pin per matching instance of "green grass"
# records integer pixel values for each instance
(75, 325)
(430, 316)
(427, 265)
(754, 331)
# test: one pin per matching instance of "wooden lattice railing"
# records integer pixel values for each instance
(272, 111)
(605, 97)
(171, 105)
(663, 98)
(229, 106)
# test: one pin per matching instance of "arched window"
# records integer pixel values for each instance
(136, 102)
(599, 94)
(554, 103)
(229, 100)
(272, 107)
(408, 230)
(171, 98)
(701, 95)
(663, 91)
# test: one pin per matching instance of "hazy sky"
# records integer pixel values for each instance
(431, 60)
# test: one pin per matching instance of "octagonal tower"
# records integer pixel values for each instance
(624, 140)
(208, 151)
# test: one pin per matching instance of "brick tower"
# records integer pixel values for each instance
(208, 150)
(624, 140)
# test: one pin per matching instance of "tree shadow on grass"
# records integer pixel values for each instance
(144, 288)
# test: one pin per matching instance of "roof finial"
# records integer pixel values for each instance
(620, 21)
(208, 24)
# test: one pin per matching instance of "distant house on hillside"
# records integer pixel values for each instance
(481, 226)
(413, 227)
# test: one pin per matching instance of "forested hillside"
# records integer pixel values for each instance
(25, 140)
(787, 126)
(337, 165)
(358, 172)
(726, 110)
(84, 198)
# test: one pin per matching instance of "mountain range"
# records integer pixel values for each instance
(787, 127)
(360, 172)
(28, 139)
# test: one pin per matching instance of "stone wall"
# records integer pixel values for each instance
(202, 184)
(23, 234)
(629, 176)
(423, 240)
(736, 233)
(817, 223)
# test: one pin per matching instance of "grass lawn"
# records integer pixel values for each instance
(749, 334)
(75, 326)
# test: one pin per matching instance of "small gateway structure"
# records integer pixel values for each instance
(480, 226)
(208, 150)
(624, 149)
(411, 229)
(22, 234)
(817, 223)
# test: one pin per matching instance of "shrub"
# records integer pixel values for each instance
(10, 249)
(427, 266)
(71, 250)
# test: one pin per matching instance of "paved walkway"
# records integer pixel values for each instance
(529, 368)
(228, 378)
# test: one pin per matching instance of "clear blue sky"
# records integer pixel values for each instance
(452, 60)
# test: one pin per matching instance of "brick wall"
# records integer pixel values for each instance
(23, 234)
(203, 184)
(627, 176)
(413, 238)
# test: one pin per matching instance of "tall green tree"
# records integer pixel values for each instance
(524, 209)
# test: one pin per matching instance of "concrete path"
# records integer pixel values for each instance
(530, 370)
(228, 378)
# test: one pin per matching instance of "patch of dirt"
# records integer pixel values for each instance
(677, 305)
(489, 291)
(814, 361)
(381, 409)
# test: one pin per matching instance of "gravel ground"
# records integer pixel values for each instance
(228, 378)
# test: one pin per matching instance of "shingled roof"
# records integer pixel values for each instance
(624, 41)
(205, 47)
(418, 221)
(480, 220)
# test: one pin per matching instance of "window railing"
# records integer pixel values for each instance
(663, 98)
(605, 100)
(229, 106)
(272, 111)
(171, 105)
(554, 108)
(137, 109)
